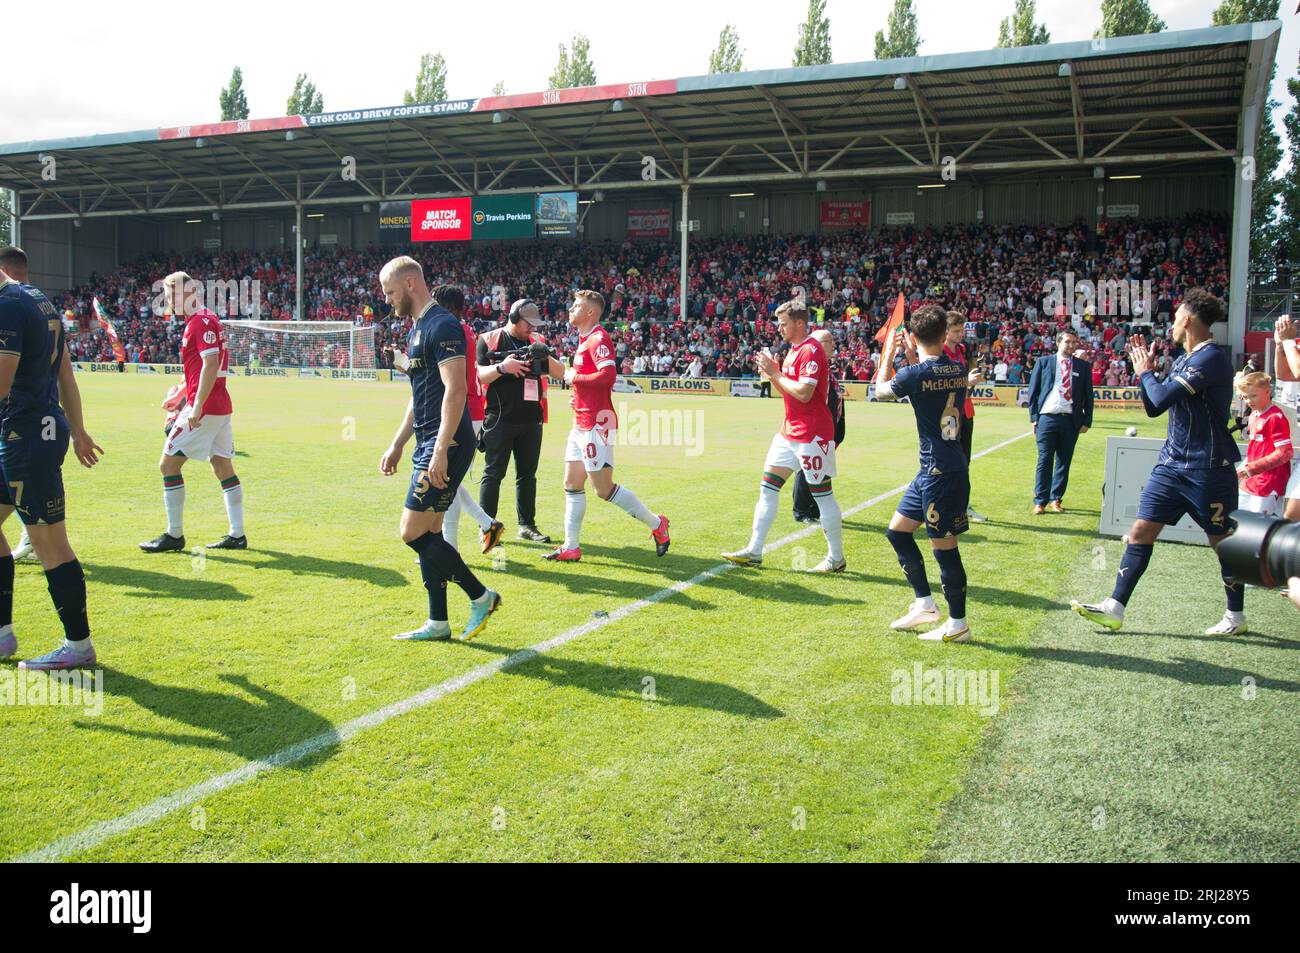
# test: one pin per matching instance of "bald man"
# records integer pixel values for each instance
(438, 416)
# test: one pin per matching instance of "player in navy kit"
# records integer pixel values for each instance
(35, 378)
(1196, 474)
(438, 416)
(939, 495)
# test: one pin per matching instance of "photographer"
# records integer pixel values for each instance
(513, 365)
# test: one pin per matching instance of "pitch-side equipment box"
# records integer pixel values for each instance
(1129, 462)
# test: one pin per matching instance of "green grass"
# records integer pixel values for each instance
(747, 717)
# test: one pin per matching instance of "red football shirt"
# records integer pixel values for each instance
(1270, 433)
(475, 393)
(593, 388)
(205, 335)
(805, 423)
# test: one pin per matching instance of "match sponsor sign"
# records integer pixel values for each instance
(839, 215)
(649, 222)
(441, 220)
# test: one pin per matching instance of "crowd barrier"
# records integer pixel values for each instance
(986, 395)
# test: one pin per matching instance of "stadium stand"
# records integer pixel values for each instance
(994, 275)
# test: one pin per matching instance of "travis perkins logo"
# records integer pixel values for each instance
(98, 907)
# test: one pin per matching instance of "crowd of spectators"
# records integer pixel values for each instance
(1017, 285)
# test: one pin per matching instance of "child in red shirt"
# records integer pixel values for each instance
(1264, 474)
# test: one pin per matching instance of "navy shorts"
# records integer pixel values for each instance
(939, 502)
(1207, 496)
(31, 471)
(423, 495)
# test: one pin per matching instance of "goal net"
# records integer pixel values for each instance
(339, 345)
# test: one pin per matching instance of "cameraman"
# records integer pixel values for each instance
(513, 364)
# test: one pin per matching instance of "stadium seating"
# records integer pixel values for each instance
(996, 275)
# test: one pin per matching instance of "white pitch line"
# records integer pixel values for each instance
(150, 813)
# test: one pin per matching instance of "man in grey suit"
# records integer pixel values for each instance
(1060, 408)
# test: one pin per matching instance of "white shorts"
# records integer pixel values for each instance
(1293, 487)
(594, 448)
(1264, 505)
(212, 438)
(816, 459)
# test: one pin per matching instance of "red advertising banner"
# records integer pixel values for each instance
(846, 214)
(440, 220)
(232, 127)
(649, 222)
(579, 94)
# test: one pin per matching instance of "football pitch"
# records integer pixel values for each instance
(626, 707)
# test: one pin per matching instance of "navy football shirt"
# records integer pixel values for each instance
(1198, 397)
(31, 329)
(936, 388)
(435, 337)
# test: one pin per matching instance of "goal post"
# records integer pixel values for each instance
(339, 345)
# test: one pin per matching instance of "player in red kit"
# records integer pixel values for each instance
(490, 530)
(202, 430)
(806, 441)
(590, 449)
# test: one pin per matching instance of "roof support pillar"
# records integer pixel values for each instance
(686, 231)
(1239, 256)
(297, 255)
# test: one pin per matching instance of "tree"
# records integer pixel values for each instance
(430, 81)
(1266, 189)
(903, 38)
(814, 46)
(1019, 29)
(1244, 11)
(234, 104)
(6, 206)
(574, 68)
(500, 88)
(727, 56)
(306, 99)
(1288, 226)
(1127, 18)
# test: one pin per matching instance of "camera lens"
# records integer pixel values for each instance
(1261, 550)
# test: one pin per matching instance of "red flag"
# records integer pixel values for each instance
(119, 353)
(885, 337)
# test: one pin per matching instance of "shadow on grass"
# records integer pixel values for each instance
(613, 681)
(983, 595)
(1189, 671)
(303, 565)
(775, 582)
(161, 585)
(250, 727)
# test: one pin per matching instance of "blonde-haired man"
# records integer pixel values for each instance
(202, 431)
(589, 452)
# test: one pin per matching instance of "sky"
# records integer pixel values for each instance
(150, 64)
